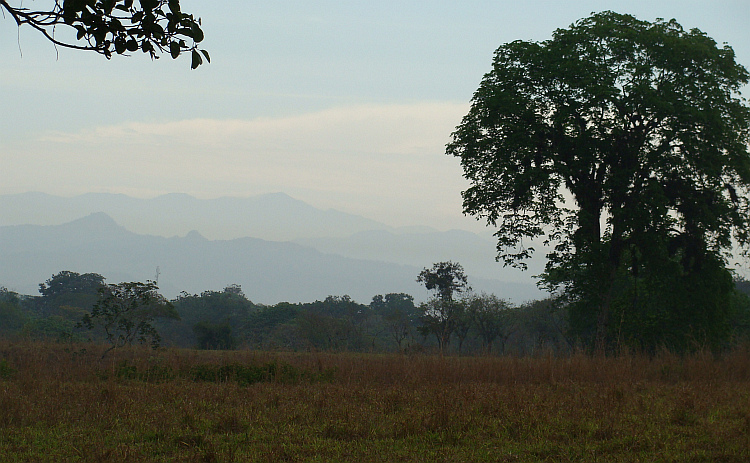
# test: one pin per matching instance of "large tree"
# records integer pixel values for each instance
(442, 315)
(114, 26)
(623, 145)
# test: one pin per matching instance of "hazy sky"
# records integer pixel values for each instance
(345, 105)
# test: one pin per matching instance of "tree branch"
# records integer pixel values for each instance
(157, 27)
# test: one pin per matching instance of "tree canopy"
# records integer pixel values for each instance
(445, 278)
(623, 145)
(67, 282)
(116, 26)
(125, 313)
(68, 294)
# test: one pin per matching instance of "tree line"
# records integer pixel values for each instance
(75, 307)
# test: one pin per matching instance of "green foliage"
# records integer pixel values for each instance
(398, 313)
(65, 298)
(669, 306)
(321, 331)
(492, 318)
(67, 293)
(213, 309)
(640, 125)
(440, 317)
(229, 305)
(336, 323)
(118, 26)
(9, 297)
(739, 313)
(12, 315)
(126, 311)
(214, 336)
(543, 325)
(53, 327)
(393, 304)
(67, 282)
(269, 326)
(445, 278)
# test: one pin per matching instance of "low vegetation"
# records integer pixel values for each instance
(62, 402)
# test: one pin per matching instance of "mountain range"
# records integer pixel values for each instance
(274, 216)
(291, 251)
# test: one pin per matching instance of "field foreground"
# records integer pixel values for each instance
(61, 403)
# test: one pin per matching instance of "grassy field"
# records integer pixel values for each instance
(62, 403)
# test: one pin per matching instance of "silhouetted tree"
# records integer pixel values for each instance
(641, 127)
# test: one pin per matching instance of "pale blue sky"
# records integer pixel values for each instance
(342, 104)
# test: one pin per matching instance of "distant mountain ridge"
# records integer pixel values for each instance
(269, 271)
(273, 216)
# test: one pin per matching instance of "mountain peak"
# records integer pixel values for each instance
(97, 224)
(101, 219)
(194, 235)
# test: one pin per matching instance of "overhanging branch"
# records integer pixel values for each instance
(117, 27)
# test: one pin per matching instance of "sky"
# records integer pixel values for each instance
(342, 104)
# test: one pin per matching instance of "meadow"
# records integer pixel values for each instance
(61, 402)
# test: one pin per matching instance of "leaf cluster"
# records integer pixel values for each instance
(119, 26)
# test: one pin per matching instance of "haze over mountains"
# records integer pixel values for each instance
(275, 216)
(278, 248)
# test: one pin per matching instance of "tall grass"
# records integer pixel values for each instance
(63, 403)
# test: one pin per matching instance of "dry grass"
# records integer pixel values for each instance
(60, 403)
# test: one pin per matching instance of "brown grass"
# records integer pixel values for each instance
(61, 403)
